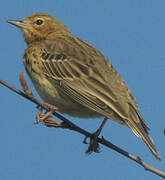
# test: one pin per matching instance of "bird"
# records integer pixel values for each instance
(74, 76)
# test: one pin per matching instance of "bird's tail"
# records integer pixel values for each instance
(140, 128)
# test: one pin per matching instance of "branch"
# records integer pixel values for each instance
(68, 124)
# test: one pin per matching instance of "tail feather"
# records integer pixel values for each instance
(140, 128)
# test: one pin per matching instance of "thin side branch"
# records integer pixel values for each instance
(28, 95)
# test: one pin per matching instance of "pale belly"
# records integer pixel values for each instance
(65, 104)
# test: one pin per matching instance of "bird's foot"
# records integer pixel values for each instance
(93, 144)
(45, 117)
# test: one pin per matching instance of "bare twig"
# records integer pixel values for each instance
(28, 95)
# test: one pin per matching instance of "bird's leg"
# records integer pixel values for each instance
(93, 145)
(24, 85)
(46, 118)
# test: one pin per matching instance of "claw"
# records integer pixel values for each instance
(93, 144)
(85, 140)
(46, 118)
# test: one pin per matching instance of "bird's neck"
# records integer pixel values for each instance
(56, 34)
(32, 38)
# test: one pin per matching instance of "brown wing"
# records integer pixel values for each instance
(88, 78)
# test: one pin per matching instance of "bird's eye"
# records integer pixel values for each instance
(39, 22)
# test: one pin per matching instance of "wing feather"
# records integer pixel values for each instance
(88, 78)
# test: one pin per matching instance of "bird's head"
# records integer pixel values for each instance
(39, 26)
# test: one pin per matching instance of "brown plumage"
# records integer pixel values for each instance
(74, 76)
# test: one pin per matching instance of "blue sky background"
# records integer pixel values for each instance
(131, 33)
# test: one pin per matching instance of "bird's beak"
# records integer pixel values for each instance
(19, 24)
